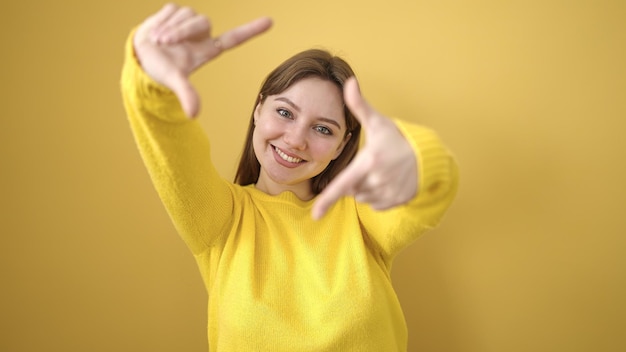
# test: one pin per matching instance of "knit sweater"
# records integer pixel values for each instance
(277, 280)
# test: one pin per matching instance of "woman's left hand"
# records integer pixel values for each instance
(383, 173)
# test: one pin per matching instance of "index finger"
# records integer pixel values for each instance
(242, 33)
(345, 184)
(355, 101)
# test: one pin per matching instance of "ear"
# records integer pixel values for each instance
(342, 145)
(257, 112)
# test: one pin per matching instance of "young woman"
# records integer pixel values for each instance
(296, 254)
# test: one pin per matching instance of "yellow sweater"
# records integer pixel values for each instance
(276, 279)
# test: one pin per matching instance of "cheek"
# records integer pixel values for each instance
(270, 125)
(257, 140)
(324, 150)
(264, 132)
(265, 129)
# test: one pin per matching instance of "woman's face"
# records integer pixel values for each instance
(298, 133)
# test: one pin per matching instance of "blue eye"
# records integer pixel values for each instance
(284, 113)
(323, 130)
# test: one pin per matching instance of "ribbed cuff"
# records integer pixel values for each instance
(433, 161)
(144, 92)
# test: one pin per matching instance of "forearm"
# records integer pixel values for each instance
(176, 153)
(437, 181)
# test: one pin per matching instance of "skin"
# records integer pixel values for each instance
(175, 41)
(305, 124)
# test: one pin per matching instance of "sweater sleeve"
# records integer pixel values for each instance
(394, 229)
(177, 154)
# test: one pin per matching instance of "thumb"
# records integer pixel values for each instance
(345, 184)
(186, 93)
(355, 101)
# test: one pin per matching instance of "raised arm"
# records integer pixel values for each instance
(160, 55)
(404, 178)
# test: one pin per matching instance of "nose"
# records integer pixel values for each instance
(295, 137)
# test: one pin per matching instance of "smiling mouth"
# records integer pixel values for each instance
(286, 157)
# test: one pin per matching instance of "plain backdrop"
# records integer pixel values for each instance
(530, 95)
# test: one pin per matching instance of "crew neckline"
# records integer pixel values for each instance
(285, 196)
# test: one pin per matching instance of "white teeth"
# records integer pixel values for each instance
(287, 157)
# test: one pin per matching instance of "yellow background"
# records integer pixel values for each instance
(530, 95)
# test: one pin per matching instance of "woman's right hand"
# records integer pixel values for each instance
(176, 41)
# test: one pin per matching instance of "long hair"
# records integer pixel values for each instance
(309, 63)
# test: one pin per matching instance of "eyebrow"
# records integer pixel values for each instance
(297, 108)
